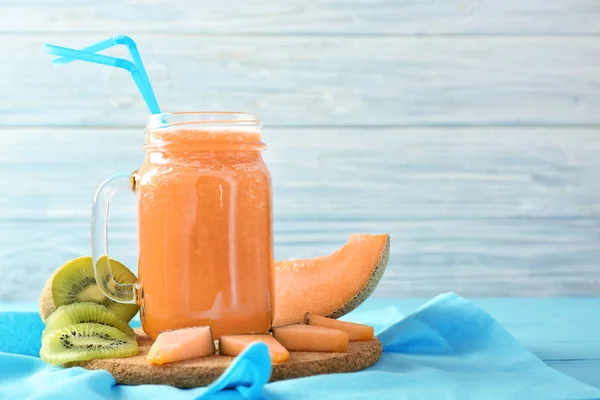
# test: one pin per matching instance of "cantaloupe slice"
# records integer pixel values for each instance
(182, 344)
(332, 285)
(299, 337)
(356, 331)
(232, 345)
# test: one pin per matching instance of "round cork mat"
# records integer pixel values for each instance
(203, 371)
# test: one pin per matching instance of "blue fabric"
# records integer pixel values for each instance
(447, 349)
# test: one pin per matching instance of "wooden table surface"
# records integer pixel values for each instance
(468, 130)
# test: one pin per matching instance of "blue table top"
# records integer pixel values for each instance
(563, 332)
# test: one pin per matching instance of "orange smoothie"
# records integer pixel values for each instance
(205, 230)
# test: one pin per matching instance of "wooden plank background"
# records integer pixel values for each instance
(468, 130)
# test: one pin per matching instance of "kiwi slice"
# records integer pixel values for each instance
(82, 342)
(78, 313)
(74, 282)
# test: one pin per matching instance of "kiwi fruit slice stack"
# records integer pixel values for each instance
(87, 341)
(74, 282)
(81, 322)
(92, 313)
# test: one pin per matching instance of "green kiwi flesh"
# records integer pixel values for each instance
(82, 342)
(74, 282)
(87, 312)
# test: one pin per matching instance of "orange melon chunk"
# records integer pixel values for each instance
(181, 344)
(232, 345)
(332, 285)
(311, 338)
(356, 331)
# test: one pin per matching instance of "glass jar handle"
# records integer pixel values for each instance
(121, 293)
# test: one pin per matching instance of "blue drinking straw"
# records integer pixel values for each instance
(111, 42)
(137, 72)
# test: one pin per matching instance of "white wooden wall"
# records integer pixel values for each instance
(467, 129)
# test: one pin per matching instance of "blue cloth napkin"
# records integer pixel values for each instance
(448, 349)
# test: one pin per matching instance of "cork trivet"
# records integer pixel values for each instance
(203, 371)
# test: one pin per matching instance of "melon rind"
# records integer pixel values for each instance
(368, 289)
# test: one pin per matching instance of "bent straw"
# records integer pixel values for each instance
(110, 42)
(142, 85)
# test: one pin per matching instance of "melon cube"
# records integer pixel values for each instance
(311, 338)
(181, 344)
(356, 331)
(232, 345)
